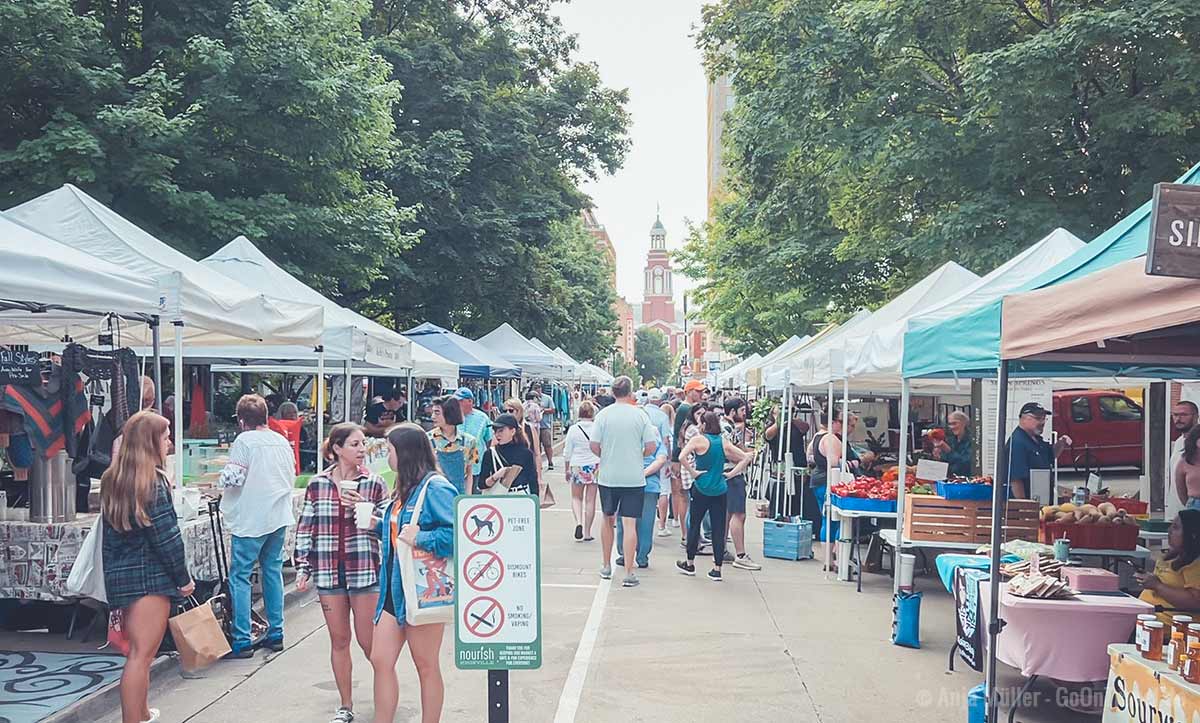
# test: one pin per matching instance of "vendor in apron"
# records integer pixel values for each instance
(827, 449)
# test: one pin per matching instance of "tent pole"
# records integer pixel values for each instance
(320, 403)
(409, 397)
(156, 342)
(828, 486)
(178, 404)
(785, 444)
(346, 404)
(902, 460)
(998, 501)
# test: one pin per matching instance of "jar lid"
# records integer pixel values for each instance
(1154, 624)
(1194, 627)
(1147, 617)
(1181, 619)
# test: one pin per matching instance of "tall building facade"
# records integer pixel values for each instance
(625, 330)
(720, 102)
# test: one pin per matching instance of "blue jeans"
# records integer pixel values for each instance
(645, 529)
(1193, 503)
(267, 551)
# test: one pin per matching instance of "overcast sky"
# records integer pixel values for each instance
(646, 47)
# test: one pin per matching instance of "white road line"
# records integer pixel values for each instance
(568, 584)
(568, 702)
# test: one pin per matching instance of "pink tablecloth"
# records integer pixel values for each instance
(1062, 639)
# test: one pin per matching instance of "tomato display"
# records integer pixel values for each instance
(871, 489)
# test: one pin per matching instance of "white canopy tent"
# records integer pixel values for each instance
(595, 375)
(755, 373)
(349, 338)
(49, 291)
(208, 307)
(791, 368)
(874, 362)
(534, 362)
(735, 376)
(569, 366)
(825, 361)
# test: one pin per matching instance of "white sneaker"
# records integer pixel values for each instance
(664, 532)
(155, 715)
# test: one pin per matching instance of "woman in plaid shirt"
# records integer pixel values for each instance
(340, 559)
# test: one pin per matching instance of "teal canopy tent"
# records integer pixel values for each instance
(969, 345)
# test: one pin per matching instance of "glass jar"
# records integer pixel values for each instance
(1191, 663)
(1176, 651)
(1180, 623)
(1150, 643)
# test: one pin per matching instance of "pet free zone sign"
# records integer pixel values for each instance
(498, 621)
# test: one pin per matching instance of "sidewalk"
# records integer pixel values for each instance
(787, 643)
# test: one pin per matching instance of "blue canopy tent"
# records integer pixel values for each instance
(969, 346)
(473, 359)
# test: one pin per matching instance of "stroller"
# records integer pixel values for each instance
(221, 601)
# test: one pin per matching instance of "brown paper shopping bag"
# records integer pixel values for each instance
(198, 637)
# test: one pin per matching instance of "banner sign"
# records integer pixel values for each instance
(1143, 690)
(1174, 248)
(969, 634)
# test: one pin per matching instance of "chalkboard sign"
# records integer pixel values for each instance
(19, 367)
(1174, 244)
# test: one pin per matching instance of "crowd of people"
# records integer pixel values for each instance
(656, 461)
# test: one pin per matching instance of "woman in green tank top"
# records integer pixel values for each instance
(704, 457)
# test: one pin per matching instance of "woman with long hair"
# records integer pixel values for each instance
(581, 467)
(411, 455)
(530, 435)
(510, 462)
(144, 564)
(1175, 583)
(338, 558)
(704, 459)
(691, 427)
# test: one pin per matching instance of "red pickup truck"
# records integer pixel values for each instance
(1105, 427)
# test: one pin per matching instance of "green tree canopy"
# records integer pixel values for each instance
(652, 354)
(872, 141)
(415, 159)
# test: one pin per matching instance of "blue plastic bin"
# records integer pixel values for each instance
(788, 539)
(863, 505)
(977, 704)
(963, 491)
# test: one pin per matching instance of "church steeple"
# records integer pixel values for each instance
(658, 232)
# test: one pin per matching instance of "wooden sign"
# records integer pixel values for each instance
(19, 367)
(1174, 248)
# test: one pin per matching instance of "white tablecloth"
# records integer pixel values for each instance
(36, 558)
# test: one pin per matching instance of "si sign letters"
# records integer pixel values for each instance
(1174, 232)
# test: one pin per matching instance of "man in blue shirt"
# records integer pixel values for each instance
(1028, 450)
(652, 469)
(475, 423)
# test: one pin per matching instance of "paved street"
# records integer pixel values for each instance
(785, 643)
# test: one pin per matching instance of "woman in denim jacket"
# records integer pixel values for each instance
(411, 456)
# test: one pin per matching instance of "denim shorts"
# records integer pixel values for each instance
(347, 592)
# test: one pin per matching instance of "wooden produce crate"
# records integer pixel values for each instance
(929, 518)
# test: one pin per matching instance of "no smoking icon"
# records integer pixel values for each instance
(483, 524)
(483, 570)
(483, 616)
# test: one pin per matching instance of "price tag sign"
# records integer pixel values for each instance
(498, 610)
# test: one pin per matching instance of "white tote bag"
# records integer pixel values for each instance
(428, 580)
(497, 464)
(87, 574)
